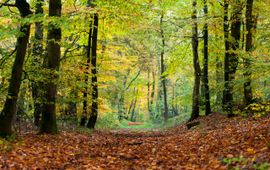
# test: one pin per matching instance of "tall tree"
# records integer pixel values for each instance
(37, 60)
(9, 109)
(226, 26)
(205, 61)
(94, 81)
(48, 122)
(86, 79)
(196, 64)
(249, 48)
(162, 66)
(231, 59)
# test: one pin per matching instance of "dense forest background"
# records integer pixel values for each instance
(118, 61)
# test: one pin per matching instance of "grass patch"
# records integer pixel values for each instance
(237, 163)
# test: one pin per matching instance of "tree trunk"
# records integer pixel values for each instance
(152, 96)
(48, 123)
(232, 60)
(162, 62)
(133, 113)
(121, 101)
(148, 91)
(249, 48)
(94, 82)
(219, 80)
(196, 65)
(205, 64)
(86, 79)
(71, 109)
(226, 59)
(37, 60)
(9, 109)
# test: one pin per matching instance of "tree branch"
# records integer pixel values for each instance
(10, 5)
(133, 79)
(6, 4)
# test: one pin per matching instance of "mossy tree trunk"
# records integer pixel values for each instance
(37, 61)
(48, 121)
(231, 57)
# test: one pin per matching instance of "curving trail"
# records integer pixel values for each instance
(208, 146)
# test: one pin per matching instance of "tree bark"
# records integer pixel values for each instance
(196, 65)
(162, 62)
(37, 60)
(86, 79)
(219, 80)
(249, 48)
(232, 59)
(94, 83)
(205, 64)
(148, 90)
(133, 113)
(9, 109)
(226, 59)
(152, 96)
(48, 123)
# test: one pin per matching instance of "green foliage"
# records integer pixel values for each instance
(237, 163)
(171, 122)
(258, 109)
(130, 42)
(262, 166)
(6, 144)
(234, 161)
(107, 121)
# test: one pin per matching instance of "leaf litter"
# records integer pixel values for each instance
(217, 143)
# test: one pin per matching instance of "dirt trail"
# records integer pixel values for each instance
(206, 147)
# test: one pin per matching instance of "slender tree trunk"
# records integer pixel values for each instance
(219, 80)
(48, 123)
(205, 64)
(121, 107)
(133, 113)
(249, 48)
(159, 89)
(226, 59)
(132, 102)
(130, 107)
(152, 93)
(121, 101)
(84, 113)
(148, 90)
(196, 65)
(152, 97)
(86, 78)
(37, 60)
(94, 83)
(71, 109)
(162, 62)
(9, 109)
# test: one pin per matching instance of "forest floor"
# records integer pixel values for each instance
(217, 143)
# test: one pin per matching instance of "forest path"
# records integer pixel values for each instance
(218, 142)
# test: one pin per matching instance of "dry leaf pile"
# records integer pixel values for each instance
(216, 139)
